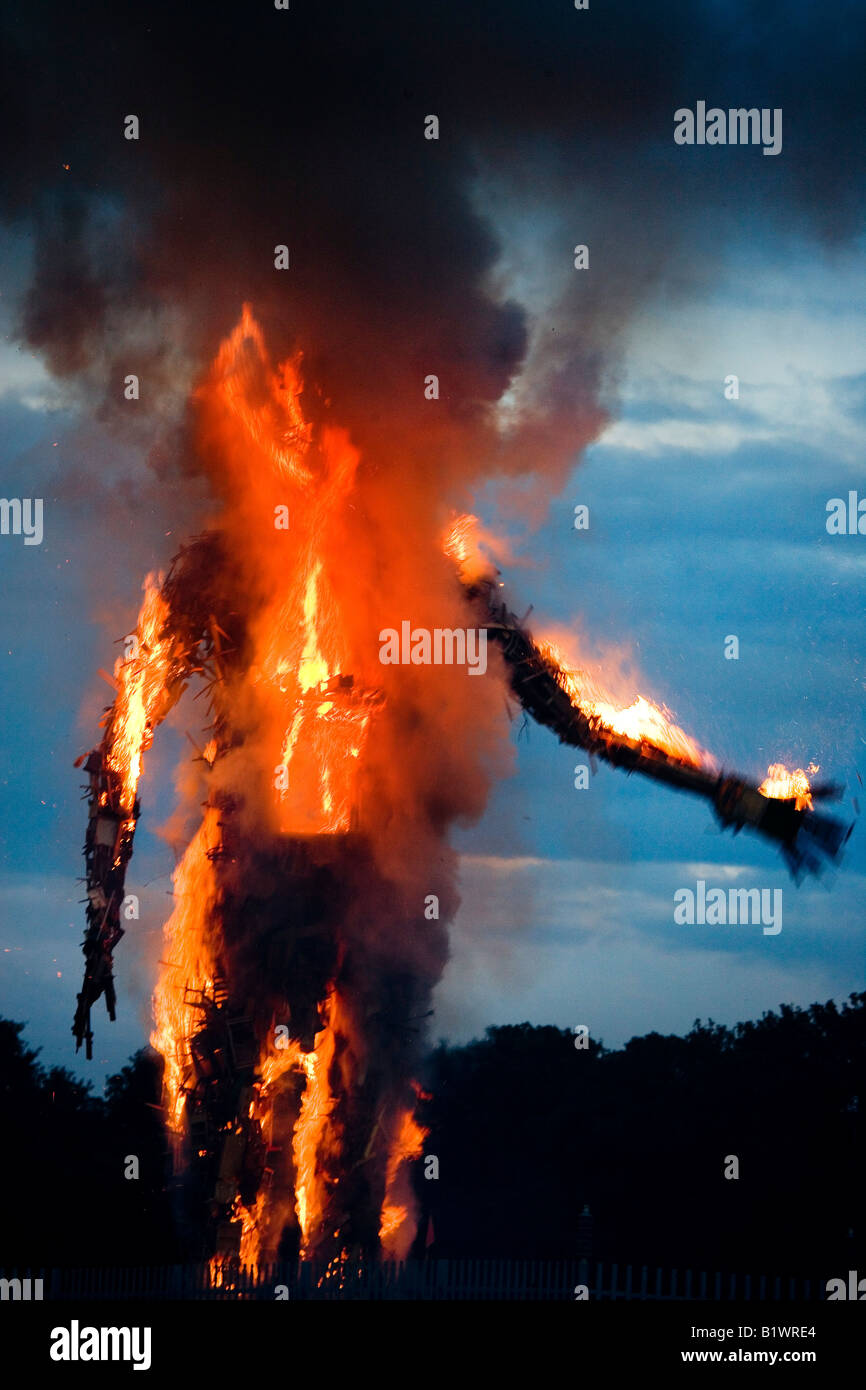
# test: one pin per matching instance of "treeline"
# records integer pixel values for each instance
(63, 1155)
(529, 1131)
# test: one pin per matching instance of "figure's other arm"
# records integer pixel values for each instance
(174, 638)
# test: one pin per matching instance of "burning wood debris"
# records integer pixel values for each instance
(299, 961)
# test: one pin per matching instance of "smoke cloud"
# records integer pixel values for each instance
(408, 256)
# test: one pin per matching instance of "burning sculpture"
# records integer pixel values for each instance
(312, 899)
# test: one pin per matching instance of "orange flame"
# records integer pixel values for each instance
(314, 1143)
(141, 682)
(189, 965)
(399, 1216)
(274, 425)
(785, 785)
(641, 721)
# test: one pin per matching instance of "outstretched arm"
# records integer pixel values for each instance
(807, 837)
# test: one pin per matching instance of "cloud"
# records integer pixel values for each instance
(596, 944)
(797, 348)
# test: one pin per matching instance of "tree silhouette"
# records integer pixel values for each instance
(528, 1130)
